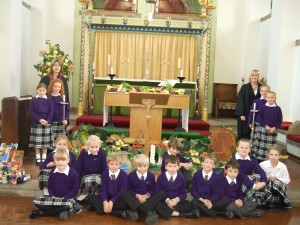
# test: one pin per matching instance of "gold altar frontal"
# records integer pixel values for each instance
(146, 112)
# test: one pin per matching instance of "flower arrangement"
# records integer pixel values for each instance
(51, 53)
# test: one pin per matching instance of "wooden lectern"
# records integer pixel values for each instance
(16, 121)
(146, 112)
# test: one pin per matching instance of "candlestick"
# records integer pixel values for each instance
(179, 63)
(108, 60)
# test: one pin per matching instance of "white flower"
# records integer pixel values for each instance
(66, 60)
(40, 73)
(55, 52)
(48, 63)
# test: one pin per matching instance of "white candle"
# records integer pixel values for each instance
(147, 72)
(111, 70)
(179, 63)
(181, 73)
(64, 98)
(108, 60)
(254, 106)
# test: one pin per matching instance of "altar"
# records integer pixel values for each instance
(100, 85)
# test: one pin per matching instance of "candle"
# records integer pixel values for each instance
(150, 16)
(181, 73)
(254, 106)
(179, 63)
(147, 72)
(64, 98)
(111, 70)
(108, 60)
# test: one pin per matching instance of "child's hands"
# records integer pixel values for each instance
(250, 126)
(243, 117)
(43, 122)
(206, 202)
(172, 202)
(107, 206)
(141, 198)
(272, 130)
(260, 185)
(50, 164)
(267, 128)
(238, 203)
(272, 178)
(65, 122)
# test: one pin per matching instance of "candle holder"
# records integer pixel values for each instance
(179, 127)
(110, 121)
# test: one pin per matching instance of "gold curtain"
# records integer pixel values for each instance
(130, 52)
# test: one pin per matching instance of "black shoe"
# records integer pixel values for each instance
(132, 215)
(288, 206)
(151, 218)
(257, 213)
(90, 207)
(119, 213)
(273, 209)
(64, 215)
(35, 214)
(228, 215)
(193, 214)
(38, 162)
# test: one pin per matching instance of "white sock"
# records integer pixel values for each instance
(38, 157)
(44, 156)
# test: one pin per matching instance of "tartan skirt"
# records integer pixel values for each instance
(40, 136)
(261, 142)
(90, 180)
(57, 130)
(43, 178)
(52, 201)
(279, 187)
(260, 196)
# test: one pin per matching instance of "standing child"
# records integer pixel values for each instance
(91, 163)
(114, 184)
(278, 178)
(185, 165)
(141, 195)
(172, 184)
(269, 119)
(264, 90)
(232, 197)
(205, 186)
(61, 143)
(61, 107)
(63, 186)
(41, 112)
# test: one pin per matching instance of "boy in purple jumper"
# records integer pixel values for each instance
(90, 164)
(232, 197)
(63, 186)
(185, 165)
(205, 186)
(61, 142)
(253, 176)
(141, 195)
(172, 184)
(269, 119)
(114, 184)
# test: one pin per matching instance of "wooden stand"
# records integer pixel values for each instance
(146, 112)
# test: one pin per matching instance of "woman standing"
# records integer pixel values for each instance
(246, 96)
(55, 73)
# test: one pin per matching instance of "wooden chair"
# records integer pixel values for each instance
(222, 141)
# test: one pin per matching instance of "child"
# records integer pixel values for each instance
(278, 178)
(63, 186)
(231, 195)
(61, 113)
(252, 174)
(141, 195)
(264, 89)
(114, 184)
(205, 186)
(61, 142)
(41, 112)
(185, 165)
(269, 119)
(91, 163)
(172, 184)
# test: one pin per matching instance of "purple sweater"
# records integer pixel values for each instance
(259, 102)
(166, 154)
(205, 189)
(137, 186)
(112, 190)
(91, 164)
(271, 116)
(174, 189)
(231, 192)
(62, 185)
(41, 108)
(59, 108)
(50, 158)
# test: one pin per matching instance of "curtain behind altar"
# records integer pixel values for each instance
(130, 53)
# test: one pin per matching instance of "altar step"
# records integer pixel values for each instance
(168, 124)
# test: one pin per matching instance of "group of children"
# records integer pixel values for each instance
(108, 189)
(50, 114)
